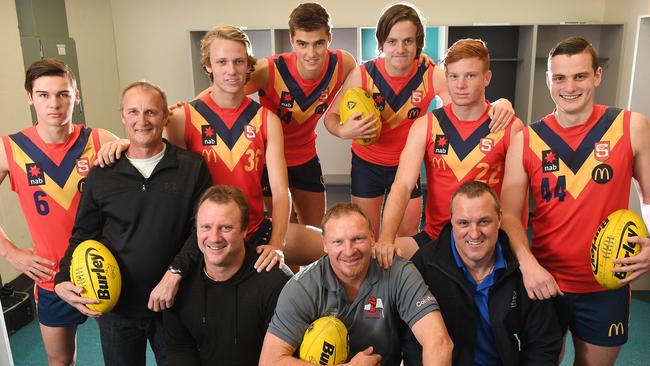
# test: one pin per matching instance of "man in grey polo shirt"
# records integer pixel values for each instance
(348, 284)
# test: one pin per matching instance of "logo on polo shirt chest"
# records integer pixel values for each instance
(374, 308)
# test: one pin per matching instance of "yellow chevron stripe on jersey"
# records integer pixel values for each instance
(575, 183)
(461, 167)
(230, 157)
(63, 196)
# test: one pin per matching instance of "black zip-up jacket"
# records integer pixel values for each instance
(143, 222)
(222, 323)
(526, 332)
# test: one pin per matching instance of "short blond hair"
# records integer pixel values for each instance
(230, 33)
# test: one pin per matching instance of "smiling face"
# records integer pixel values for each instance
(400, 48)
(53, 98)
(475, 226)
(572, 82)
(348, 243)
(228, 65)
(311, 50)
(220, 235)
(144, 115)
(467, 80)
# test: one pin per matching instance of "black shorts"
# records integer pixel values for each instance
(421, 238)
(599, 318)
(307, 176)
(372, 180)
(262, 235)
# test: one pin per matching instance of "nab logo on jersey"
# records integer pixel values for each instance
(379, 101)
(416, 97)
(286, 100)
(208, 136)
(83, 167)
(550, 162)
(486, 145)
(601, 150)
(35, 174)
(250, 132)
(441, 145)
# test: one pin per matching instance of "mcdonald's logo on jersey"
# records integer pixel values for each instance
(617, 329)
(439, 163)
(601, 150)
(209, 155)
(321, 108)
(35, 174)
(602, 173)
(284, 115)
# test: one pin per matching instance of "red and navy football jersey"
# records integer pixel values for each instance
(300, 103)
(232, 143)
(458, 152)
(48, 179)
(578, 175)
(401, 100)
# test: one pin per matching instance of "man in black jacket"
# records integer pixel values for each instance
(472, 272)
(142, 209)
(224, 306)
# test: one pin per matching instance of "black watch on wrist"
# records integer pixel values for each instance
(174, 270)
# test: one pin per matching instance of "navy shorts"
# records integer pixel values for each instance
(54, 312)
(307, 177)
(262, 236)
(372, 180)
(421, 238)
(599, 318)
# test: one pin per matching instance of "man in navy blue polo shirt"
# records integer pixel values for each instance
(472, 272)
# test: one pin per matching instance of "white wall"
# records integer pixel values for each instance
(13, 104)
(626, 12)
(90, 24)
(152, 36)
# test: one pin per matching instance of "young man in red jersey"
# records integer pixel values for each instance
(456, 145)
(578, 162)
(299, 86)
(402, 86)
(237, 137)
(47, 165)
